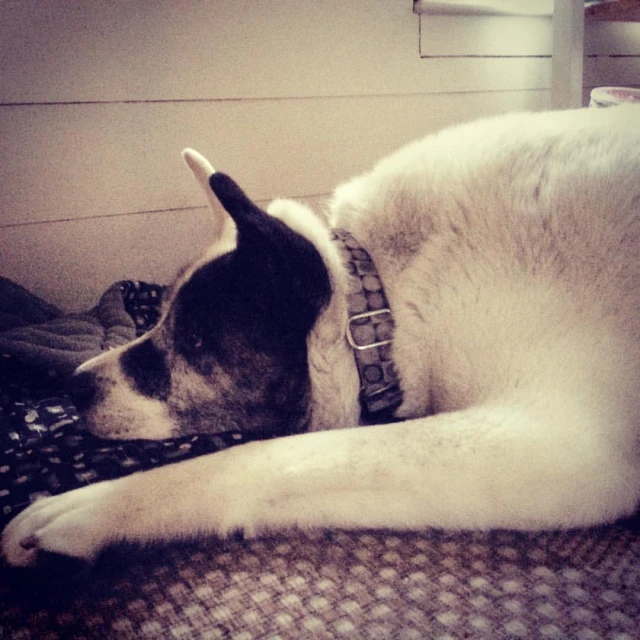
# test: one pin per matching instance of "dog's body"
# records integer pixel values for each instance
(508, 250)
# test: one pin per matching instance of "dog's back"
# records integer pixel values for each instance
(512, 248)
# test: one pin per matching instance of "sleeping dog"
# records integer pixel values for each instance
(458, 347)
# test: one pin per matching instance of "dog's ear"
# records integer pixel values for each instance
(202, 170)
(287, 269)
(251, 221)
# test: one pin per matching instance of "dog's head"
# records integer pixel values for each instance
(230, 351)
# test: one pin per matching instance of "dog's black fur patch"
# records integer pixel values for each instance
(248, 314)
(145, 365)
(231, 351)
(292, 273)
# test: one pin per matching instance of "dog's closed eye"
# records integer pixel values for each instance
(196, 342)
(192, 342)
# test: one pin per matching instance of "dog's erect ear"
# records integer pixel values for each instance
(255, 226)
(288, 270)
(202, 170)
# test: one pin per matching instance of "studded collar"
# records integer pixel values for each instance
(370, 330)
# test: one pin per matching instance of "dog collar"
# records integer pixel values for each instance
(370, 332)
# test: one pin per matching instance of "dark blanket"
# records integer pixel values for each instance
(42, 450)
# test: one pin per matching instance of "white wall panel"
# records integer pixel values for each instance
(71, 263)
(465, 73)
(496, 36)
(485, 36)
(123, 50)
(106, 50)
(68, 262)
(77, 161)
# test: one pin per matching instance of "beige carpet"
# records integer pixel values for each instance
(576, 585)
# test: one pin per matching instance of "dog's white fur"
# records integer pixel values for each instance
(509, 253)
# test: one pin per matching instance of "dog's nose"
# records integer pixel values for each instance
(83, 389)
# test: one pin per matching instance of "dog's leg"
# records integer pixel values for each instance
(478, 468)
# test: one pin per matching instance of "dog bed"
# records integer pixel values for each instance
(42, 449)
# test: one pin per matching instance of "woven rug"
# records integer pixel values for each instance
(576, 585)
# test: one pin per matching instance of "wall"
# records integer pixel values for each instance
(98, 97)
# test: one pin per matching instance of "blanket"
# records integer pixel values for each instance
(42, 449)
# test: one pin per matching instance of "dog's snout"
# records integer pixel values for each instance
(84, 389)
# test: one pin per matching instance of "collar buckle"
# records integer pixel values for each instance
(365, 316)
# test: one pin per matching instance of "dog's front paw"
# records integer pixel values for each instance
(77, 524)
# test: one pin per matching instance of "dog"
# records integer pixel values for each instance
(486, 279)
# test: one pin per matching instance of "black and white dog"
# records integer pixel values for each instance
(487, 280)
